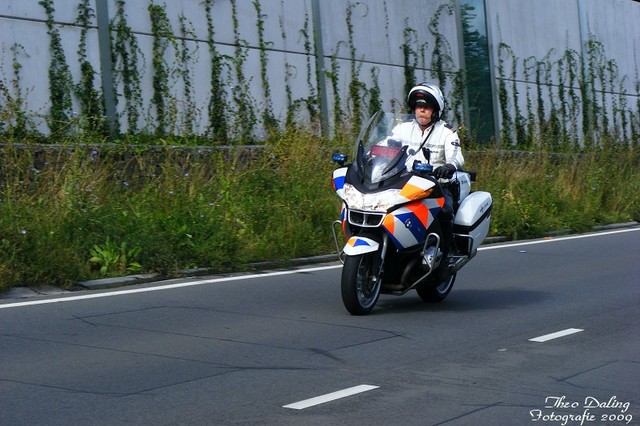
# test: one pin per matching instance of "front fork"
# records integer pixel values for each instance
(339, 249)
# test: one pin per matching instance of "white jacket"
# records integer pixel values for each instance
(441, 140)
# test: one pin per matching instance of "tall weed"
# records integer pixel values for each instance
(535, 193)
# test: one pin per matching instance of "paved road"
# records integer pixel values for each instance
(535, 333)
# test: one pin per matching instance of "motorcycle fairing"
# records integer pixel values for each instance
(360, 245)
(416, 188)
(339, 179)
(407, 226)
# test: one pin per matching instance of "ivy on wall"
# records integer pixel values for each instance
(126, 57)
(90, 99)
(60, 81)
(268, 119)
(218, 126)
(163, 38)
(14, 118)
(572, 100)
(188, 58)
(579, 102)
(246, 119)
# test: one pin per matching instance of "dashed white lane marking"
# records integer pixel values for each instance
(301, 405)
(555, 335)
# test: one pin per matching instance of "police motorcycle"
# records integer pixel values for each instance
(389, 219)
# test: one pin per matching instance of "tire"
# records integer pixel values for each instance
(360, 284)
(436, 291)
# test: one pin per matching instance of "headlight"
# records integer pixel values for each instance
(378, 201)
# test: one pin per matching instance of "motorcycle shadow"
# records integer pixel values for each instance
(464, 300)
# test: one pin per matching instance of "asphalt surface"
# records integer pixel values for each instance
(542, 332)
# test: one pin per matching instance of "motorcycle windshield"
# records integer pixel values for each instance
(379, 153)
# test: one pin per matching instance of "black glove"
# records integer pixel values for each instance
(445, 172)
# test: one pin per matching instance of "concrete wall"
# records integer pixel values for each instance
(530, 28)
(545, 29)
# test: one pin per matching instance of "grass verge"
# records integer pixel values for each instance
(83, 213)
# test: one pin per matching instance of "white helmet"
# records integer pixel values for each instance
(428, 94)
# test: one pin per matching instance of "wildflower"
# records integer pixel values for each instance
(23, 232)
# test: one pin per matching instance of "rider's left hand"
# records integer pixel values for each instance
(445, 172)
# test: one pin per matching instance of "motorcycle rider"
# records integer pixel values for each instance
(428, 130)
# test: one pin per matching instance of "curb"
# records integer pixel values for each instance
(119, 281)
(140, 279)
(104, 283)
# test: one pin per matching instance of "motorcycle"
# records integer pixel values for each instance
(390, 220)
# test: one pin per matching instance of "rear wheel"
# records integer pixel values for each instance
(360, 283)
(436, 290)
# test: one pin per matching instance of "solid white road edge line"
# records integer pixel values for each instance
(555, 335)
(301, 405)
(164, 287)
(268, 274)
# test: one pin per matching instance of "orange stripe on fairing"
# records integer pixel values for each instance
(411, 192)
(389, 223)
(421, 211)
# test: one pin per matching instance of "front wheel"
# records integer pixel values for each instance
(436, 291)
(360, 283)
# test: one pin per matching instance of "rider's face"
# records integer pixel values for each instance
(423, 114)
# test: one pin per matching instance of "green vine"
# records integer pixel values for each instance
(216, 110)
(529, 67)
(333, 75)
(288, 73)
(14, 121)
(519, 123)
(185, 71)
(571, 57)
(355, 85)
(163, 38)
(506, 138)
(313, 99)
(125, 59)
(60, 81)
(246, 116)
(561, 92)
(442, 60)
(410, 57)
(268, 119)
(91, 101)
(635, 124)
(588, 92)
(375, 99)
